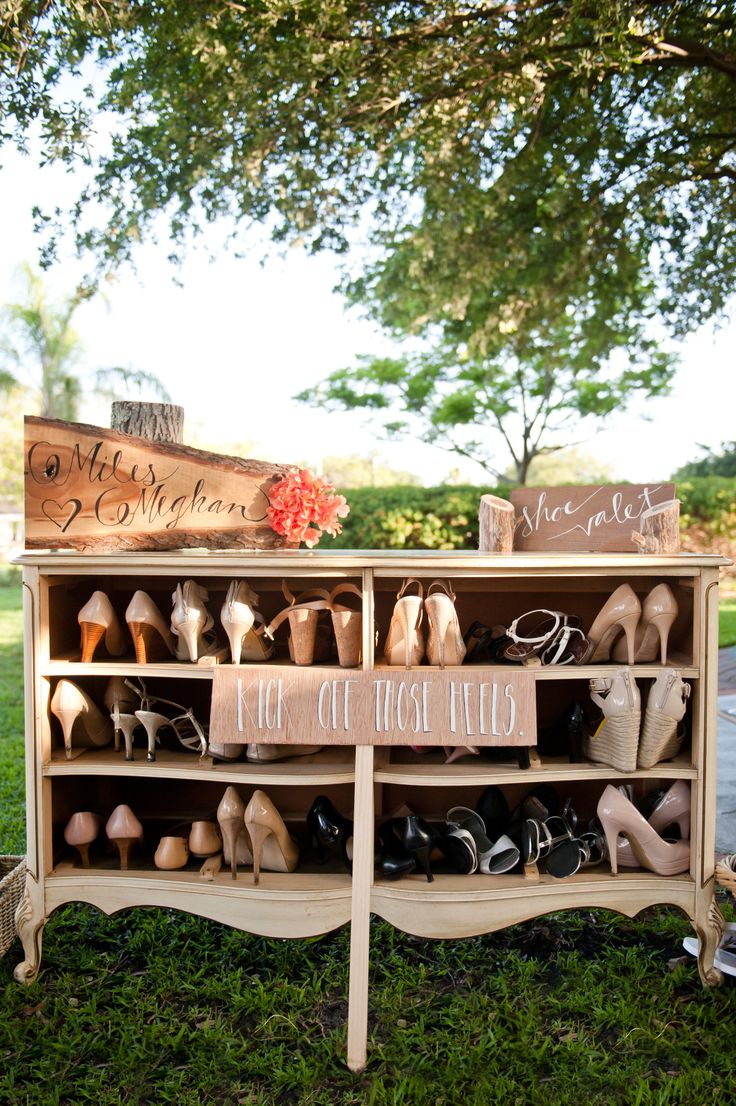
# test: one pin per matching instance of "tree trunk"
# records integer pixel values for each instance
(496, 525)
(158, 422)
(659, 529)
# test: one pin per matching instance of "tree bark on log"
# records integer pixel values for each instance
(158, 422)
(659, 529)
(497, 523)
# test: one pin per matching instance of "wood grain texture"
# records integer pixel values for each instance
(420, 706)
(90, 488)
(496, 525)
(157, 422)
(591, 518)
(659, 529)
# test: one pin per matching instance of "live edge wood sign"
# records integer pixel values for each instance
(418, 706)
(91, 488)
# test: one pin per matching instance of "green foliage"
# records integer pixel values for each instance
(154, 1006)
(712, 464)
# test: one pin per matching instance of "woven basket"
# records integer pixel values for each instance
(726, 873)
(13, 873)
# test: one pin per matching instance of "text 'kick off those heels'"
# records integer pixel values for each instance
(97, 620)
(618, 815)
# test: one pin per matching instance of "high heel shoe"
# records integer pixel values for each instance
(658, 612)
(329, 830)
(118, 700)
(124, 829)
(80, 831)
(672, 809)
(620, 613)
(172, 853)
(303, 616)
(128, 724)
(405, 639)
(445, 643)
(79, 717)
(618, 815)
(347, 626)
(392, 860)
(273, 847)
(97, 618)
(205, 839)
(189, 731)
(151, 635)
(190, 620)
(260, 753)
(418, 839)
(235, 845)
(662, 734)
(239, 618)
(616, 741)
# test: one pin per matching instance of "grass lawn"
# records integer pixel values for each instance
(156, 1007)
(727, 622)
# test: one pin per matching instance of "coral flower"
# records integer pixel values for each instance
(300, 502)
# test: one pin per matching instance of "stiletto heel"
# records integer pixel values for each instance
(238, 617)
(230, 813)
(347, 626)
(620, 612)
(329, 830)
(118, 700)
(662, 734)
(124, 829)
(673, 809)
(618, 815)
(97, 618)
(273, 847)
(658, 612)
(152, 723)
(149, 629)
(79, 716)
(190, 620)
(445, 643)
(128, 723)
(417, 838)
(302, 614)
(80, 831)
(616, 741)
(405, 640)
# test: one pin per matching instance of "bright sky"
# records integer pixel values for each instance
(237, 340)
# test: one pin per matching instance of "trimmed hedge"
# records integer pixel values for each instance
(446, 517)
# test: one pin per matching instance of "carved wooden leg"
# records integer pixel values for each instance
(709, 925)
(29, 921)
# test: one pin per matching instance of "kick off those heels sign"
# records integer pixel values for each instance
(418, 706)
(94, 489)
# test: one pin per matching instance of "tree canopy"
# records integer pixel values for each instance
(542, 182)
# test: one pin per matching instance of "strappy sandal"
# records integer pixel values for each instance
(347, 626)
(486, 644)
(553, 636)
(303, 616)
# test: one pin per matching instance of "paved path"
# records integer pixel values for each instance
(726, 789)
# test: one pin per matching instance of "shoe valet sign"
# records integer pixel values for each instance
(95, 489)
(416, 706)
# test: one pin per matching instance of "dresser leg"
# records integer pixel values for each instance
(709, 925)
(29, 922)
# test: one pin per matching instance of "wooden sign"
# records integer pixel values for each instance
(91, 488)
(600, 518)
(419, 706)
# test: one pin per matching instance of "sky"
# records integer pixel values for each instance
(235, 339)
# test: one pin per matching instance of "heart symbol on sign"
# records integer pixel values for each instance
(59, 509)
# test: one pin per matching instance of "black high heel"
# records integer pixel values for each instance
(418, 839)
(393, 860)
(329, 830)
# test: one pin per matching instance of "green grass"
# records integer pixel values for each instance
(727, 623)
(157, 1007)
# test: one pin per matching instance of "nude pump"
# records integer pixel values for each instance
(150, 632)
(274, 849)
(658, 612)
(80, 831)
(445, 643)
(97, 619)
(124, 829)
(80, 718)
(405, 638)
(673, 809)
(619, 614)
(618, 815)
(230, 814)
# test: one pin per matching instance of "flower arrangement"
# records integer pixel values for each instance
(300, 502)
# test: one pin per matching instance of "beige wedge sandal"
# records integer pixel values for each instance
(303, 616)
(347, 625)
